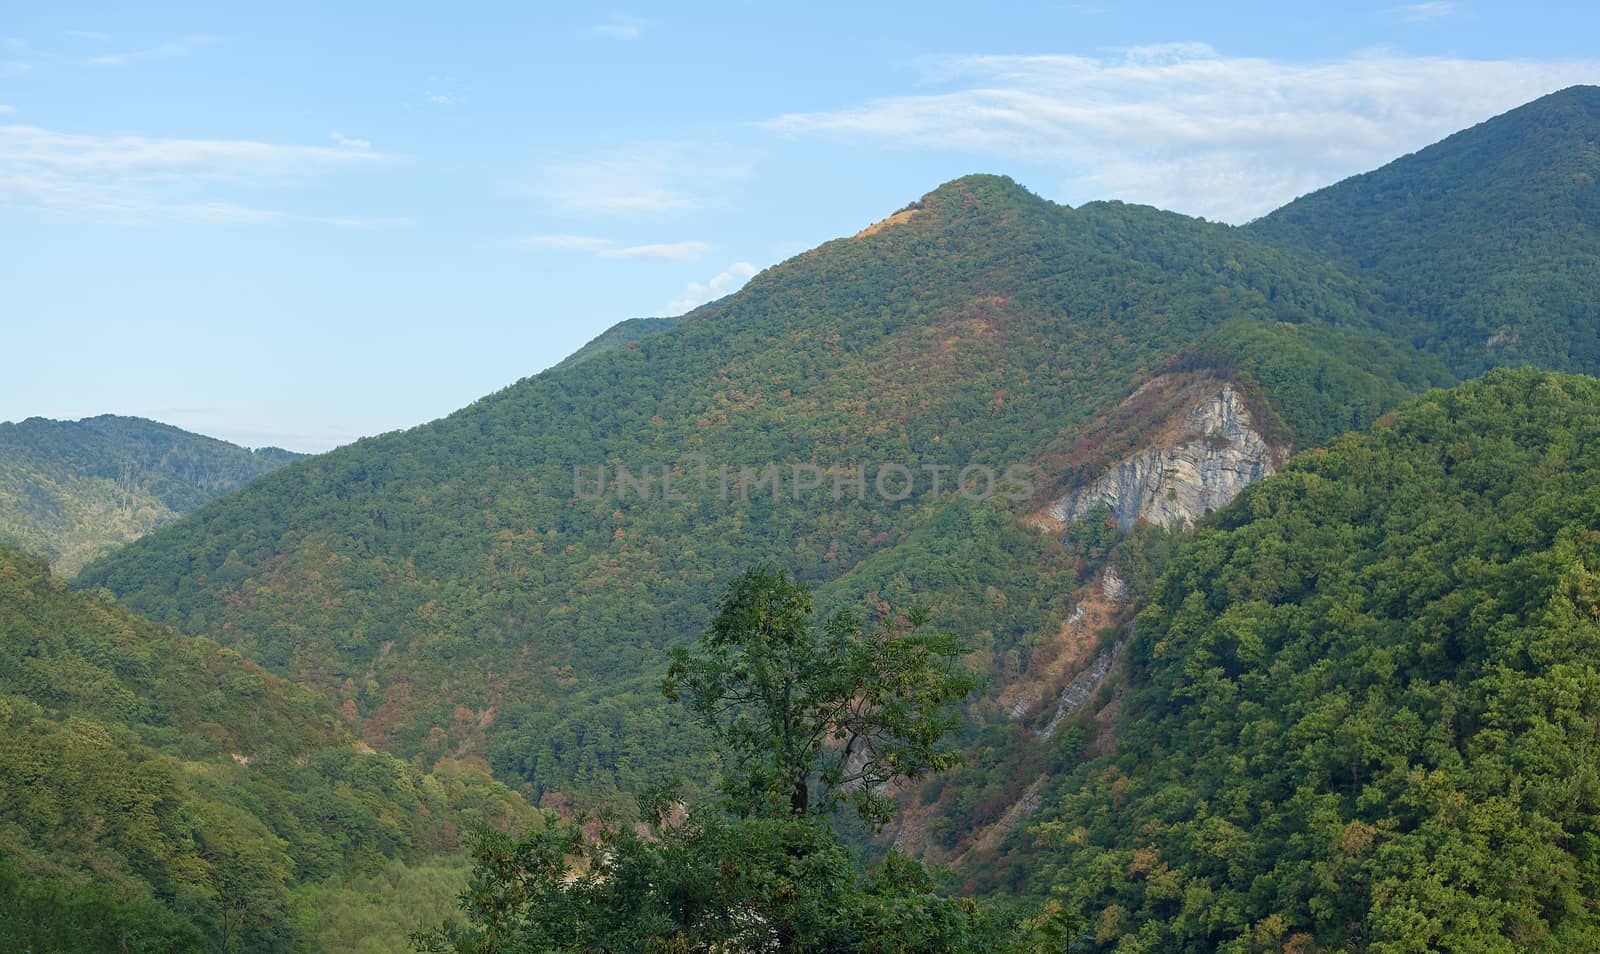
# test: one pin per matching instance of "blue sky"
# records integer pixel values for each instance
(285, 225)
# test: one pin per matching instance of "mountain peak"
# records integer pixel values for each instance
(980, 190)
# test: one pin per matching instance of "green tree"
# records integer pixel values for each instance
(842, 709)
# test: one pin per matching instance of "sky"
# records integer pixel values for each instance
(285, 224)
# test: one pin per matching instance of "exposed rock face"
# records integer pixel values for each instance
(1217, 452)
(1078, 691)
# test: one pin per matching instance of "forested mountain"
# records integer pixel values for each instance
(1362, 704)
(1324, 730)
(1490, 238)
(72, 490)
(161, 793)
(619, 334)
(454, 586)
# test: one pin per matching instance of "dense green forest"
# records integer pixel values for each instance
(162, 793)
(1352, 710)
(812, 718)
(1490, 239)
(73, 490)
(619, 334)
(451, 586)
(1364, 702)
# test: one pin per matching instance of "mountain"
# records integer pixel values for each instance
(159, 792)
(1359, 708)
(73, 490)
(466, 587)
(1490, 238)
(1240, 693)
(619, 334)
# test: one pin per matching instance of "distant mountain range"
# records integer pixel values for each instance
(1353, 709)
(73, 490)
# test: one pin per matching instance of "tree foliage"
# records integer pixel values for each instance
(1366, 702)
(1489, 240)
(845, 708)
(762, 872)
(159, 792)
(71, 491)
(448, 585)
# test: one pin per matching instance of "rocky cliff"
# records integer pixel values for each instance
(1203, 462)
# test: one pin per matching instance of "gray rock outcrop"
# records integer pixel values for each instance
(1217, 453)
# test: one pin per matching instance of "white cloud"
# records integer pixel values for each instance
(665, 252)
(605, 248)
(361, 222)
(725, 282)
(622, 27)
(1184, 127)
(443, 91)
(134, 179)
(341, 139)
(639, 179)
(225, 213)
(164, 51)
(4, 109)
(1423, 12)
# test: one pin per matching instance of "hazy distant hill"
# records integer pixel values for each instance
(1490, 237)
(72, 490)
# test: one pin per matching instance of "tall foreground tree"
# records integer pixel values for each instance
(809, 717)
(845, 709)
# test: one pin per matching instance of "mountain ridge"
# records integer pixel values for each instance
(968, 333)
(1488, 237)
(72, 490)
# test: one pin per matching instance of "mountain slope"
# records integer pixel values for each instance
(454, 586)
(160, 792)
(1491, 237)
(1362, 705)
(72, 490)
(620, 334)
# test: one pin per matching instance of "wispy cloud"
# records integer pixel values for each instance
(443, 91)
(620, 26)
(605, 248)
(139, 179)
(4, 109)
(161, 51)
(341, 139)
(361, 222)
(1187, 128)
(662, 252)
(725, 282)
(639, 179)
(1423, 12)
